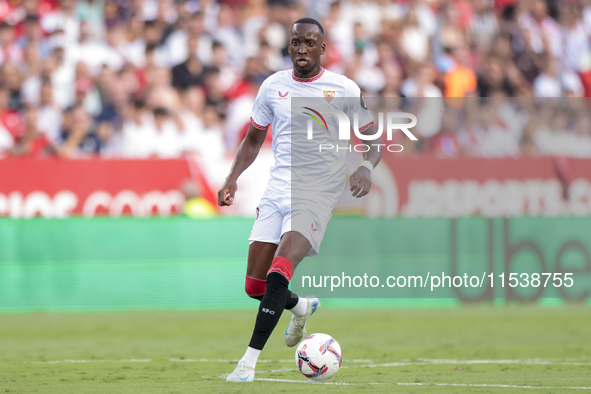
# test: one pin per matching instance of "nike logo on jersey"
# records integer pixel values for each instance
(283, 95)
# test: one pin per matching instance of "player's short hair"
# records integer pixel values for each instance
(310, 21)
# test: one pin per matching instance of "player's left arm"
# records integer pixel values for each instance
(361, 179)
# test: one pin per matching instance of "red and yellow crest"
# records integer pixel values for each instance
(328, 95)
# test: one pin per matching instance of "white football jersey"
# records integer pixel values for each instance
(324, 173)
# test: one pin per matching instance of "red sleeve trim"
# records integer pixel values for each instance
(258, 126)
(367, 126)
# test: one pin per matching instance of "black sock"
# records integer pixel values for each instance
(291, 302)
(270, 309)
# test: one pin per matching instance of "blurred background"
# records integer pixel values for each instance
(135, 108)
(147, 78)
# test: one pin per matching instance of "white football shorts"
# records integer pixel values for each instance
(274, 217)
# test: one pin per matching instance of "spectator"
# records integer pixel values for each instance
(10, 118)
(91, 12)
(9, 121)
(552, 82)
(220, 60)
(63, 22)
(212, 140)
(10, 51)
(539, 30)
(50, 116)
(10, 76)
(213, 88)
(33, 142)
(167, 142)
(191, 116)
(6, 140)
(76, 135)
(195, 205)
(460, 80)
(32, 34)
(484, 27)
(177, 45)
(414, 39)
(198, 65)
(190, 72)
(494, 78)
(109, 122)
(138, 138)
(421, 83)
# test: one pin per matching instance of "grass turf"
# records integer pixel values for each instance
(157, 352)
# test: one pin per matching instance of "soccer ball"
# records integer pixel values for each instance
(319, 357)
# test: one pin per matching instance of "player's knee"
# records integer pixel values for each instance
(255, 288)
(282, 266)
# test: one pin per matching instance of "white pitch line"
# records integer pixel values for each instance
(394, 364)
(364, 363)
(133, 360)
(387, 365)
(493, 385)
(312, 382)
(536, 361)
(185, 360)
(427, 384)
(207, 360)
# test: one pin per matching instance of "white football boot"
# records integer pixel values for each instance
(242, 373)
(297, 326)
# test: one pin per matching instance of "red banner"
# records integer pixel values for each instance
(413, 187)
(429, 187)
(60, 188)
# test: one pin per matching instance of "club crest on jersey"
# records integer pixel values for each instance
(329, 95)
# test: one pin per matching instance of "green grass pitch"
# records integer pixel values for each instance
(511, 349)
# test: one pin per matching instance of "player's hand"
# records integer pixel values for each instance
(360, 182)
(226, 193)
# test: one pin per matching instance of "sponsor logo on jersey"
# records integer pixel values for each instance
(282, 95)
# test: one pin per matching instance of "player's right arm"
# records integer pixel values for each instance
(262, 114)
(247, 153)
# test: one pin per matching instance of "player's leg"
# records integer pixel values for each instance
(264, 240)
(293, 247)
(305, 306)
(291, 251)
(260, 258)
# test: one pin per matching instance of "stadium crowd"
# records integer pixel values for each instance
(159, 78)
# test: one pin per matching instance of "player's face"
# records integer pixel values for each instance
(305, 48)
